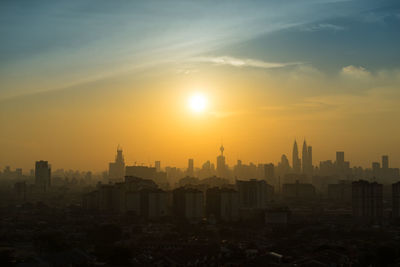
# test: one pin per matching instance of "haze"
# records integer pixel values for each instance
(77, 81)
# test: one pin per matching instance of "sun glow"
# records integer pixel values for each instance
(197, 102)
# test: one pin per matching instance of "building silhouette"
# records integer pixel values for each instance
(296, 162)
(254, 194)
(190, 169)
(188, 204)
(222, 203)
(221, 165)
(367, 200)
(306, 159)
(269, 173)
(42, 175)
(396, 200)
(157, 165)
(116, 169)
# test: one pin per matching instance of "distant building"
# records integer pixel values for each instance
(42, 175)
(367, 200)
(145, 172)
(190, 169)
(221, 165)
(296, 162)
(385, 162)
(188, 204)
(116, 170)
(269, 173)
(307, 159)
(298, 191)
(254, 194)
(340, 192)
(147, 203)
(396, 200)
(157, 165)
(222, 203)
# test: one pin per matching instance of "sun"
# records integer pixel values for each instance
(197, 102)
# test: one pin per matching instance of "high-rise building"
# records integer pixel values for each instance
(188, 204)
(221, 167)
(340, 159)
(367, 200)
(385, 162)
(254, 194)
(42, 175)
(157, 165)
(310, 165)
(296, 162)
(116, 170)
(396, 200)
(304, 158)
(190, 170)
(269, 172)
(222, 203)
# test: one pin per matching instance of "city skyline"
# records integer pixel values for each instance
(296, 164)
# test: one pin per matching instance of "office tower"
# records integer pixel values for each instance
(190, 170)
(310, 166)
(222, 203)
(221, 167)
(296, 163)
(42, 175)
(367, 200)
(116, 170)
(396, 200)
(254, 194)
(157, 165)
(340, 159)
(283, 166)
(385, 162)
(188, 204)
(304, 158)
(269, 172)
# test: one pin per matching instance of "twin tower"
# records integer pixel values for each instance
(303, 165)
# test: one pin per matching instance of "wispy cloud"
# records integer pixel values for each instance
(323, 27)
(244, 62)
(355, 72)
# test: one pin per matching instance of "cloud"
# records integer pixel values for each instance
(323, 27)
(244, 62)
(355, 72)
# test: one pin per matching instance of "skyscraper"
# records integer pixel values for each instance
(295, 159)
(367, 200)
(190, 170)
(340, 159)
(310, 166)
(116, 170)
(221, 167)
(157, 164)
(42, 175)
(385, 162)
(304, 158)
(269, 173)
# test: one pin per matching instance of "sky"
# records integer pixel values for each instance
(77, 78)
